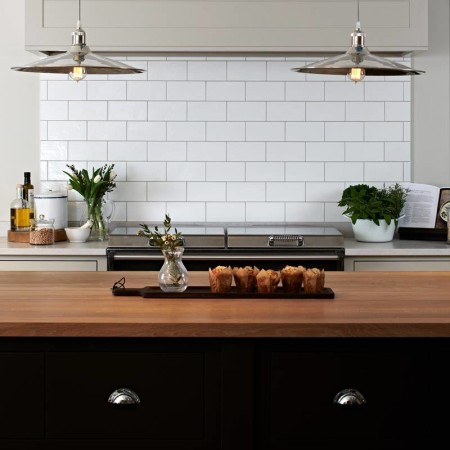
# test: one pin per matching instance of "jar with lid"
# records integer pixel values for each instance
(42, 231)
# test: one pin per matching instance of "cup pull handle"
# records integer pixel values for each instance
(124, 396)
(349, 397)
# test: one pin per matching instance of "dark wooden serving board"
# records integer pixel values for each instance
(205, 292)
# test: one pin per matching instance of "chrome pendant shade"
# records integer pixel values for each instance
(78, 61)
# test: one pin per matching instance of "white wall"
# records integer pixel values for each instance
(19, 108)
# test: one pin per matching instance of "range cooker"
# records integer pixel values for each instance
(265, 246)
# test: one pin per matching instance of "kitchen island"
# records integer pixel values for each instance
(224, 374)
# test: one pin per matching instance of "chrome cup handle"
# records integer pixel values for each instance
(349, 397)
(124, 396)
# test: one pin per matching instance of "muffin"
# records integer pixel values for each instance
(245, 278)
(267, 281)
(291, 279)
(313, 280)
(220, 279)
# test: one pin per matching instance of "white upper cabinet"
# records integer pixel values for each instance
(284, 26)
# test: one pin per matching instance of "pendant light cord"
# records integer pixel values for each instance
(358, 23)
(79, 10)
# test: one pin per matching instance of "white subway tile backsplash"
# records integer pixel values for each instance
(227, 138)
(129, 76)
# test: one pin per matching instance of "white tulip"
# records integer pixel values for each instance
(112, 175)
(97, 178)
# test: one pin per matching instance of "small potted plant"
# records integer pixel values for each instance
(374, 212)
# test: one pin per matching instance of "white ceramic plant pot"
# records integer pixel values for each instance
(367, 231)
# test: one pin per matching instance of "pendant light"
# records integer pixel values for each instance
(358, 62)
(79, 60)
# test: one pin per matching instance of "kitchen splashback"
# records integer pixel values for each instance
(226, 139)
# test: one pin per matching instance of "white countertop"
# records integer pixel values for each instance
(352, 248)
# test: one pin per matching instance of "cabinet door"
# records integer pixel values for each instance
(178, 395)
(22, 397)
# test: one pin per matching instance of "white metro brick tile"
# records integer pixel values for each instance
(43, 170)
(344, 131)
(43, 93)
(246, 111)
(55, 169)
(161, 111)
(364, 111)
(66, 130)
(107, 131)
(260, 90)
(383, 171)
(325, 111)
(260, 211)
(383, 131)
(364, 151)
(54, 150)
(333, 213)
(285, 151)
(264, 171)
(186, 131)
(146, 90)
(207, 70)
(107, 90)
(325, 151)
(127, 151)
(131, 76)
(407, 171)
(207, 111)
(398, 111)
(286, 192)
(120, 211)
(225, 131)
(185, 90)
(397, 151)
(87, 150)
(388, 91)
(187, 211)
(66, 90)
(303, 131)
(305, 91)
(54, 110)
(43, 130)
(167, 70)
(145, 211)
(305, 171)
(146, 171)
(305, 212)
(170, 191)
(146, 131)
(225, 212)
(206, 191)
(343, 171)
(127, 110)
(88, 110)
(265, 131)
(281, 71)
(185, 171)
(407, 92)
(242, 192)
(225, 171)
(129, 191)
(226, 91)
(246, 70)
(285, 111)
(166, 151)
(246, 151)
(206, 151)
(324, 192)
(344, 91)
(407, 131)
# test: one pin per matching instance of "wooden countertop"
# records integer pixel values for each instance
(367, 304)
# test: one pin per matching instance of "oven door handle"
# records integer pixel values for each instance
(130, 257)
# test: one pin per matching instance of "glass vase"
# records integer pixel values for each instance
(94, 213)
(173, 276)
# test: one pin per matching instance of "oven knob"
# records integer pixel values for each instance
(124, 396)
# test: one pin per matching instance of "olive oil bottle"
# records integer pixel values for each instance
(28, 192)
(20, 212)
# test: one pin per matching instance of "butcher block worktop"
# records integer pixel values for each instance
(81, 304)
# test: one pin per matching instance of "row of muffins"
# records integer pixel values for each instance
(251, 279)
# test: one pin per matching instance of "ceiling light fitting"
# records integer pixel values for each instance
(79, 61)
(358, 62)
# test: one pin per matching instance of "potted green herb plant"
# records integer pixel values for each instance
(374, 212)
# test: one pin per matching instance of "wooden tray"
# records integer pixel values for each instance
(24, 236)
(205, 292)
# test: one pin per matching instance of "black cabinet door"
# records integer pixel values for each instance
(22, 396)
(179, 397)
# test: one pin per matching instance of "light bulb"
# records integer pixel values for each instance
(78, 73)
(356, 74)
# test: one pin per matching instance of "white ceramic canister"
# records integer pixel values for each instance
(52, 205)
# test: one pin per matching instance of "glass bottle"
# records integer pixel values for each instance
(173, 276)
(28, 192)
(20, 212)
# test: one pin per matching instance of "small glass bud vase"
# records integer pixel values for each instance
(173, 276)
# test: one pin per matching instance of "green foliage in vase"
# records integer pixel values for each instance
(163, 239)
(368, 202)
